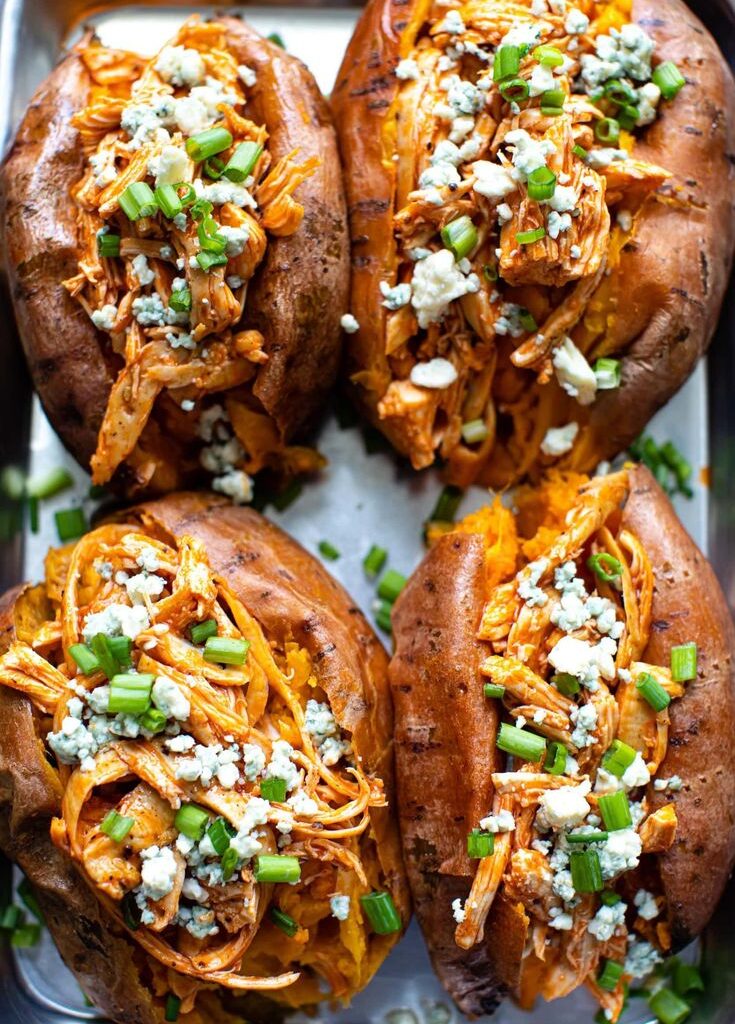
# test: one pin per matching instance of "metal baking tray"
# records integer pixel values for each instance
(361, 498)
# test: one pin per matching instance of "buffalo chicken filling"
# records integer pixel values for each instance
(516, 187)
(572, 819)
(175, 208)
(209, 796)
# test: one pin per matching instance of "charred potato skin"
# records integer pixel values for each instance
(445, 751)
(672, 278)
(296, 298)
(296, 599)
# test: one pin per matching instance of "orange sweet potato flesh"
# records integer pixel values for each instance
(296, 298)
(293, 597)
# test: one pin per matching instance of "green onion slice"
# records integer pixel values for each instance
(187, 193)
(586, 871)
(242, 162)
(687, 978)
(220, 833)
(668, 1007)
(610, 975)
(153, 721)
(180, 300)
(529, 237)
(224, 650)
(566, 683)
(131, 912)
(493, 690)
(171, 1011)
(390, 586)
(521, 743)
(383, 616)
(581, 152)
(553, 98)
(138, 201)
(192, 821)
(273, 790)
(381, 912)
(475, 432)
(207, 260)
(208, 143)
(609, 898)
(447, 505)
(684, 662)
(108, 245)
(26, 936)
(228, 863)
(71, 524)
(374, 560)
(586, 837)
(460, 237)
(619, 92)
(116, 826)
(507, 62)
(668, 78)
(328, 550)
(283, 921)
(607, 373)
(203, 630)
(652, 692)
(168, 200)
(271, 867)
(480, 844)
(209, 237)
(515, 90)
(615, 811)
(527, 321)
(214, 167)
(607, 130)
(541, 183)
(628, 117)
(86, 661)
(26, 893)
(605, 566)
(556, 758)
(100, 644)
(548, 56)
(617, 758)
(11, 918)
(130, 693)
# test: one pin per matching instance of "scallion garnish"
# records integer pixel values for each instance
(628, 117)
(687, 978)
(10, 918)
(214, 167)
(668, 1007)
(581, 152)
(383, 616)
(447, 505)
(607, 374)
(566, 683)
(116, 826)
(273, 790)
(652, 692)
(203, 630)
(605, 566)
(586, 871)
(494, 690)
(374, 560)
(475, 432)
(607, 130)
(242, 162)
(180, 301)
(228, 863)
(26, 893)
(225, 650)
(100, 644)
(552, 102)
(556, 758)
(528, 746)
(514, 90)
(209, 237)
(121, 646)
(381, 912)
(138, 201)
(207, 260)
(208, 143)
(153, 721)
(108, 245)
(86, 661)
(548, 56)
(609, 898)
(130, 693)
(507, 62)
(615, 811)
(390, 586)
(684, 662)
(192, 820)
(541, 185)
(529, 237)
(668, 78)
(576, 838)
(171, 1010)
(26, 936)
(618, 758)
(220, 833)
(131, 912)
(168, 201)
(328, 550)
(460, 237)
(33, 514)
(619, 92)
(480, 844)
(609, 976)
(71, 524)
(273, 867)
(283, 921)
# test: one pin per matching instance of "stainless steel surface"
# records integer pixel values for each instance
(360, 498)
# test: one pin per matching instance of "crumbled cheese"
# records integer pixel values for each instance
(560, 919)
(675, 783)
(452, 23)
(607, 920)
(247, 75)
(220, 192)
(575, 252)
(169, 167)
(104, 318)
(302, 804)
(636, 774)
(199, 921)
(236, 484)
(529, 154)
(598, 159)
(492, 180)
(503, 821)
(158, 872)
(149, 310)
(236, 238)
(541, 80)
(180, 65)
(181, 743)
(322, 726)
(349, 324)
(649, 96)
(116, 620)
(437, 373)
(281, 766)
(340, 907)
(528, 589)
(573, 372)
(641, 958)
(584, 719)
(584, 660)
(559, 440)
(646, 903)
(522, 33)
(407, 69)
(458, 911)
(620, 852)
(395, 297)
(510, 320)
(576, 23)
(557, 224)
(199, 110)
(565, 807)
(169, 698)
(437, 281)
(253, 759)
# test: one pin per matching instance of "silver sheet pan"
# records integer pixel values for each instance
(360, 499)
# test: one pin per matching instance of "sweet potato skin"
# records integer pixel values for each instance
(671, 281)
(293, 596)
(296, 298)
(445, 732)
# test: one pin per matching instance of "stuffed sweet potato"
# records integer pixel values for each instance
(541, 200)
(175, 240)
(564, 702)
(196, 762)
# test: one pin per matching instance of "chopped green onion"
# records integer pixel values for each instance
(273, 790)
(628, 117)
(208, 143)
(480, 844)
(225, 650)
(586, 871)
(108, 245)
(668, 1007)
(493, 690)
(287, 496)
(33, 514)
(556, 759)
(381, 912)
(619, 92)
(100, 644)
(138, 201)
(475, 432)
(566, 683)
(541, 185)
(86, 661)
(130, 693)
(277, 39)
(131, 912)
(460, 237)
(676, 461)
(609, 898)
(188, 196)
(615, 811)
(201, 208)
(214, 167)
(391, 585)
(514, 90)
(383, 616)
(684, 662)
(242, 162)
(153, 721)
(548, 56)
(490, 271)
(617, 758)
(11, 918)
(228, 863)
(668, 78)
(529, 237)
(209, 237)
(652, 692)
(329, 550)
(605, 566)
(272, 867)
(26, 893)
(168, 200)
(521, 743)
(120, 647)
(207, 260)
(607, 130)
(581, 152)
(171, 1011)
(553, 98)
(587, 837)
(220, 833)
(283, 921)
(116, 826)
(71, 524)
(26, 936)
(374, 560)
(507, 62)
(13, 482)
(609, 976)
(180, 300)
(203, 630)
(687, 978)
(447, 505)
(607, 374)
(192, 820)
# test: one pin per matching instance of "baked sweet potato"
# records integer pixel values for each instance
(541, 240)
(157, 814)
(590, 623)
(198, 330)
